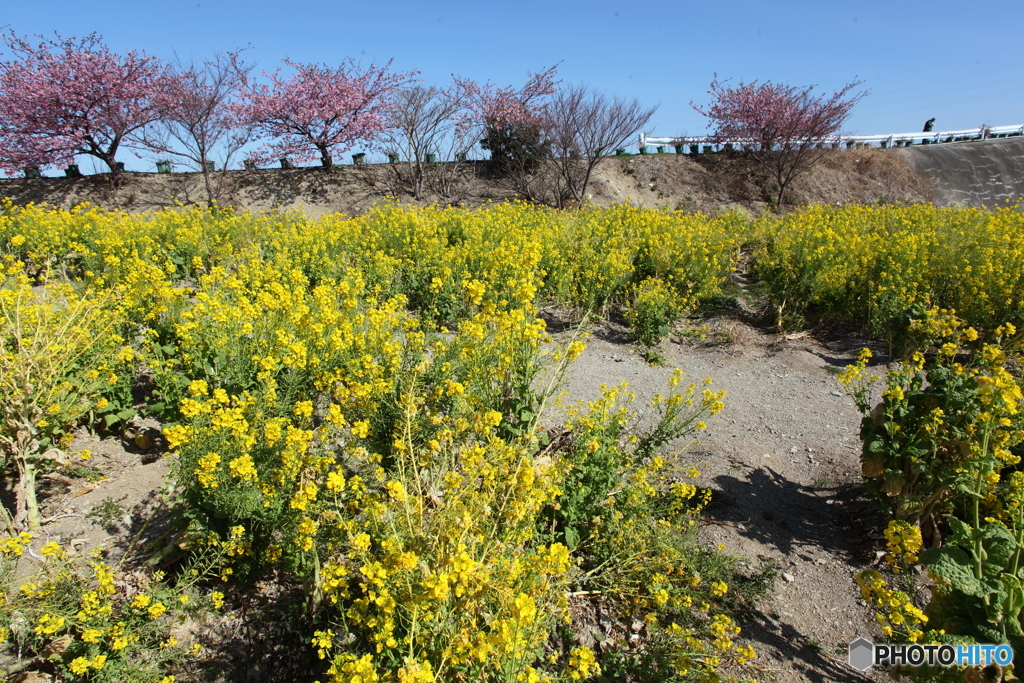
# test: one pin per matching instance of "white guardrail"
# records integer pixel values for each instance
(849, 141)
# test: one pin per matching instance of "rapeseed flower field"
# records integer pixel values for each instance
(871, 264)
(354, 404)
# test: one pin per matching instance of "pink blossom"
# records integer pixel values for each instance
(774, 115)
(508, 107)
(319, 111)
(64, 97)
(782, 127)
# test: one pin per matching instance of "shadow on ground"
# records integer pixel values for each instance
(779, 513)
(800, 649)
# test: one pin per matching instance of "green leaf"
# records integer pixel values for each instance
(961, 535)
(953, 565)
(572, 538)
(1014, 597)
(999, 545)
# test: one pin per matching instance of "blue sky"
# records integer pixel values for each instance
(959, 63)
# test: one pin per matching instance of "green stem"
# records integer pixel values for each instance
(1018, 534)
(28, 493)
(979, 563)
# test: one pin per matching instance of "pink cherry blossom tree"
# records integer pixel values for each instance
(64, 97)
(784, 128)
(513, 119)
(319, 111)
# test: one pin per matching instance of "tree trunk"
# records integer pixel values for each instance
(207, 180)
(325, 158)
(109, 158)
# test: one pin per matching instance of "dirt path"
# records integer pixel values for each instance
(783, 460)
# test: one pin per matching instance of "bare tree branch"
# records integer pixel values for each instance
(430, 125)
(198, 118)
(583, 127)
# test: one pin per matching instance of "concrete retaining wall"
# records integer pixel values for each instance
(987, 173)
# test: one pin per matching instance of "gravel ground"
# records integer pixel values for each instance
(783, 462)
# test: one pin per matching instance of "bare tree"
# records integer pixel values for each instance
(583, 127)
(198, 118)
(429, 126)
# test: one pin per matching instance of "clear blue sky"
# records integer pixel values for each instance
(959, 62)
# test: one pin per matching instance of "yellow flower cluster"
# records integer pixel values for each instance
(896, 611)
(74, 605)
(582, 663)
(355, 400)
(903, 541)
(872, 263)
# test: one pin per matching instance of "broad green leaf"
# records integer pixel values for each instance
(999, 546)
(961, 533)
(1014, 597)
(953, 565)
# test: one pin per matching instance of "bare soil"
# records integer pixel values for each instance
(783, 460)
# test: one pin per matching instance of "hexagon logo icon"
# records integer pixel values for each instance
(862, 654)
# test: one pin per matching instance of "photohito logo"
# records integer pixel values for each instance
(864, 654)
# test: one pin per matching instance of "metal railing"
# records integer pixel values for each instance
(850, 141)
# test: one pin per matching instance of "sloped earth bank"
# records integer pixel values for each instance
(710, 183)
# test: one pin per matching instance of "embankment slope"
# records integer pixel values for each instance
(988, 173)
(710, 183)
